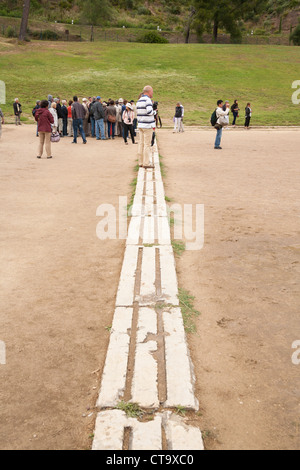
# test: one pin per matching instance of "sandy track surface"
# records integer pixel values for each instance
(245, 279)
(58, 285)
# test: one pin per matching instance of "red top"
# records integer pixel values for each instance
(44, 119)
(70, 112)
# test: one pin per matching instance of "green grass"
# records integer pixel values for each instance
(132, 410)
(195, 74)
(189, 313)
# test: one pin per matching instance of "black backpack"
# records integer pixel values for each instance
(214, 118)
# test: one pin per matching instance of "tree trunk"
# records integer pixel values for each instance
(24, 23)
(92, 33)
(188, 28)
(216, 28)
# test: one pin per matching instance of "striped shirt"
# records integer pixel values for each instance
(145, 113)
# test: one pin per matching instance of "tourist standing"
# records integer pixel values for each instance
(78, 115)
(17, 112)
(146, 126)
(45, 121)
(55, 117)
(248, 115)
(111, 116)
(64, 111)
(221, 122)
(235, 111)
(128, 119)
(98, 113)
(37, 106)
(70, 119)
(86, 119)
(177, 118)
(181, 128)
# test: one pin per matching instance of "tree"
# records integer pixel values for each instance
(24, 22)
(95, 12)
(225, 14)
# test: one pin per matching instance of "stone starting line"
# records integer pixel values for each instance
(148, 361)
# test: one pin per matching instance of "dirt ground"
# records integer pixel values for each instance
(59, 283)
(245, 280)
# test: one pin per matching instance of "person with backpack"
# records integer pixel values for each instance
(219, 119)
(111, 116)
(235, 111)
(248, 113)
(177, 118)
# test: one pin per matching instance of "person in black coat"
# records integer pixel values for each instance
(17, 111)
(64, 112)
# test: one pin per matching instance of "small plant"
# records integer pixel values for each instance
(188, 310)
(180, 410)
(178, 247)
(132, 410)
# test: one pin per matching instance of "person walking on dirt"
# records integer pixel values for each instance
(45, 120)
(146, 126)
(222, 121)
(248, 113)
(17, 111)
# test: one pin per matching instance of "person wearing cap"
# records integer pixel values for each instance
(128, 118)
(146, 126)
(99, 115)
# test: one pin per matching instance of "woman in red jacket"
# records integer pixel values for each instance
(44, 119)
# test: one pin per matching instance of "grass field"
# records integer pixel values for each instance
(196, 74)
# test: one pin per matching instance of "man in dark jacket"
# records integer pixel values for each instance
(64, 112)
(92, 119)
(17, 111)
(78, 115)
(59, 115)
(98, 113)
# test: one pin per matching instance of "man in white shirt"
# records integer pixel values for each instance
(221, 122)
(146, 126)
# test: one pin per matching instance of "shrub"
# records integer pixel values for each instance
(10, 32)
(295, 36)
(153, 38)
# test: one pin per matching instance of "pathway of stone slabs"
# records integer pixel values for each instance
(148, 361)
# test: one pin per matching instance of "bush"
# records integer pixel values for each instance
(152, 38)
(295, 36)
(10, 32)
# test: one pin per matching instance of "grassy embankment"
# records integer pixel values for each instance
(197, 75)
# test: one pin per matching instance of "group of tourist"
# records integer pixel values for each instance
(104, 120)
(96, 118)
